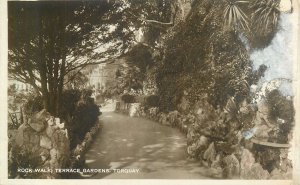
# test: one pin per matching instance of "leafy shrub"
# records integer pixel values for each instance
(69, 101)
(80, 113)
(22, 158)
(268, 157)
(152, 101)
(15, 98)
(33, 105)
(19, 101)
(127, 98)
(281, 108)
(140, 56)
(264, 21)
(131, 76)
(257, 74)
(84, 118)
(255, 19)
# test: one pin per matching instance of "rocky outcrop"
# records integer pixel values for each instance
(39, 120)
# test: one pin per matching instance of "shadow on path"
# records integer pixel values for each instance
(159, 152)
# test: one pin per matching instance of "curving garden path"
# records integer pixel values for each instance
(156, 151)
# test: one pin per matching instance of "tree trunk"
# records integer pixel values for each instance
(51, 89)
(43, 73)
(51, 100)
(51, 76)
(60, 83)
(55, 87)
(45, 94)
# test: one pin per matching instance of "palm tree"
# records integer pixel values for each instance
(265, 15)
(257, 20)
(234, 15)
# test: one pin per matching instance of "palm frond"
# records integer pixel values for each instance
(265, 14)
(234, 15)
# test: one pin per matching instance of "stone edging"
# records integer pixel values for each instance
(77, 154)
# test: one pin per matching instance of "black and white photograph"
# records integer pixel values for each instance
(152, 89)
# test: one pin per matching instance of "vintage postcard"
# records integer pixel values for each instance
(180, 91)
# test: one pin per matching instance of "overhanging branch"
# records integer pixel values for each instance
(158, 22)
(171, 23)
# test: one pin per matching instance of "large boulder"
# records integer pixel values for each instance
(250, 169)
(191, 135)
(50, 130)
(44, 153)
(20, 134)
(34, 139)
(231, 166)
(210, 153)
(60, 140)
(277, 174)
(38, 121)
(247, 160)
(192, 150)
(257, 172)
(45, 142)
(196, 148)
(202, 141)
(54, 158)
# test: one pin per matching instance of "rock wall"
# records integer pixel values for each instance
(215, 141)
(40, 143)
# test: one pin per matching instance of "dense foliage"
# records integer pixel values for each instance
(50, 42)
(281, 108)
(22, 159)
(207, 55)
(83, 119)
(152, 101)
(204, 60)
(127, 98)
(33, 105)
